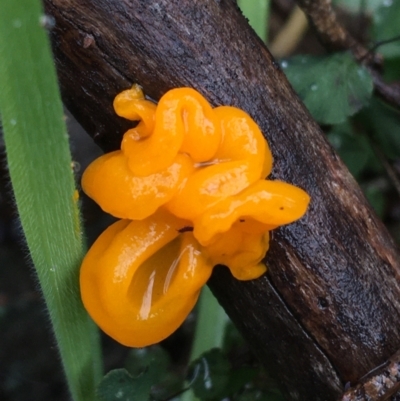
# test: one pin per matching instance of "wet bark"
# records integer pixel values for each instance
(326, 312)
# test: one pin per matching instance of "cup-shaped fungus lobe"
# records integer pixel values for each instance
(189, 185)
(268, 203)
(132, 105)
(140, 279)
(184, 122)
(235, 232)
(240, 250)
(242, 140)
(110, 182)
(242, 158)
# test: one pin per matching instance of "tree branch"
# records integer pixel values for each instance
(335, 37)
(381, 384)
(329, 30)
(322, 314)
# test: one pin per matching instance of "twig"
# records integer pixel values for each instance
(384, 42)
(378, 385)
(332, 34)
(390, 93)
(335, 37)
(290, 35)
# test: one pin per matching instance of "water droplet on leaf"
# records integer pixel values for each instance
(47, 21)
(17, 23)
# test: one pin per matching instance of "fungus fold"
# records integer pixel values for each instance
(189, 187)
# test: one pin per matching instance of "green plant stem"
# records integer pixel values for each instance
(210, 328)
(211, 322)
(257, 12)
(39, 163)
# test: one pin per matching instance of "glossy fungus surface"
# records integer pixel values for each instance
(189, 185)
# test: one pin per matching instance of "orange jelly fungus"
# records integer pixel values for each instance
(189, 185)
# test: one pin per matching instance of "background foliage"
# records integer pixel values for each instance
(337, 91)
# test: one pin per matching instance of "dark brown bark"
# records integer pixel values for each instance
(326, 312)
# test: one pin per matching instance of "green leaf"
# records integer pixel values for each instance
(257, 11)
(210, 326)
(155, 362)
(209, 375)
(232, 338)
(376, 197)
(354, 150)
(211, 321)
(119, 385)
(332, 87)
(392, 69)
(355, 5)
(139, 359)
(386, 26)
(39, 163)
(383, 123)
(148, 367)
(239, 378)
(171, 385)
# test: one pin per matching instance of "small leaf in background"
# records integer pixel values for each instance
(171, 385)
(232, 338)
(356, 6)
(353, 149)
(119, 385)
(257, 12)
(155, 361)
(392, 69)
(239, 378)
(386, 26)
(139, 359)
(209, 375)
(384, 125)
(332, 87)
(375, 192)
